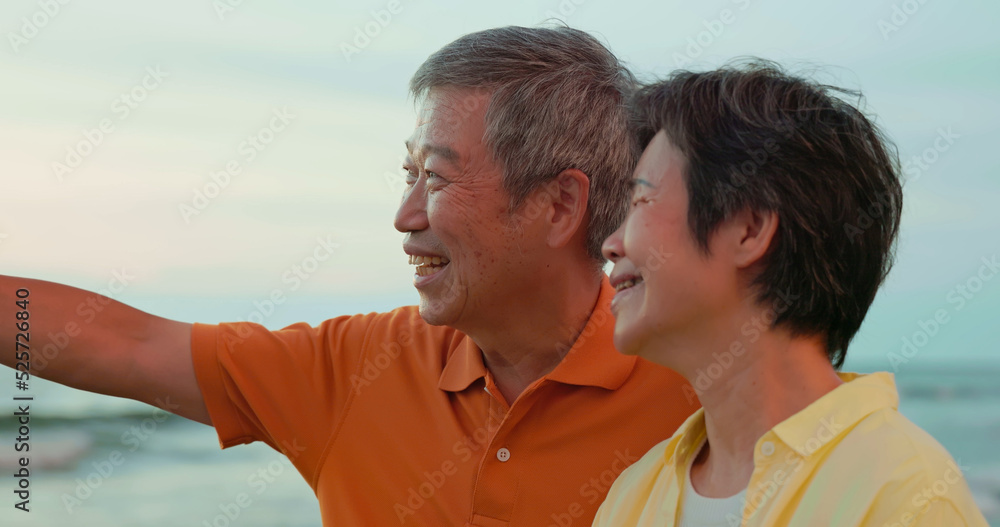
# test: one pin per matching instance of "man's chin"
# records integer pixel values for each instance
(434, 319)
(434, 312)
(440, 305)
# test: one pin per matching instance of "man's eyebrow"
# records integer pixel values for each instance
(446, 152)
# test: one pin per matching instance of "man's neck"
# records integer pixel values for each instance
(531, 339)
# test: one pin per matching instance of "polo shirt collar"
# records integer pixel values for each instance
(838, 411)
(463, 367)
(808, 430)
(686, 440)
(591, 361)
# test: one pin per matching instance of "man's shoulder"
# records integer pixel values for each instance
(392, 331)
(403, 319)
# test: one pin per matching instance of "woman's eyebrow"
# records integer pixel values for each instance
(634, 182)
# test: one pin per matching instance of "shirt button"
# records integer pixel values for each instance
(503, 455)
(767, 448)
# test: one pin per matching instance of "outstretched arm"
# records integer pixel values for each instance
(114, 350)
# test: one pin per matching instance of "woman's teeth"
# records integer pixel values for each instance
(628, 283)
(427, 265)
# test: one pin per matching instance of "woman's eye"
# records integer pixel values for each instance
(410, 174)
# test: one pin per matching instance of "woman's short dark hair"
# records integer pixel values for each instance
(755, 137)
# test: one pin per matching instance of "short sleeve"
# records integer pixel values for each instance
(287, 388)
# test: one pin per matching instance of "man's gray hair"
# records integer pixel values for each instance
(558, 101)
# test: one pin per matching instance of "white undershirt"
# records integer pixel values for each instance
(699, 511)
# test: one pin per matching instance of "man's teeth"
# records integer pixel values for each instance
(427, 265)
(428, 260)
(628, 283)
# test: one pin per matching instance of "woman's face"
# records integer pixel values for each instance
(668, 288)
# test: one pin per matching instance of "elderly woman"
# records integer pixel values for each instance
(776, 204)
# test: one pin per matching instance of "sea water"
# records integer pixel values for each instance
(111, 462)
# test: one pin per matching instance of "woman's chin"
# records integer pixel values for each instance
(626, 340)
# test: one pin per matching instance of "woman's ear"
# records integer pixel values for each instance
(752, 232)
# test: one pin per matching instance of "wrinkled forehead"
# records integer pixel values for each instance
(452, 104)
(449, 117)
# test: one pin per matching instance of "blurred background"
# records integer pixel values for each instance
(189, 158)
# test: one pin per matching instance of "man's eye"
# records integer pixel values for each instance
(435, 181)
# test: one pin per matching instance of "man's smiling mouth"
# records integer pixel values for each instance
(428, 265)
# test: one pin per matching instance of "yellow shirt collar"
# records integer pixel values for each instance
(810, 429)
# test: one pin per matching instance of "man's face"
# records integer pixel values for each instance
(471, 258)
(677, 290)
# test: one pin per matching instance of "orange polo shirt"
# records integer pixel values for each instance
(396, 422)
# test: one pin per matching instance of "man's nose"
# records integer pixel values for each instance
(412, 213)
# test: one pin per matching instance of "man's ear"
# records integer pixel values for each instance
(753, 231)
(567, 196)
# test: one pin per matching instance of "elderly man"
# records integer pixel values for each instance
(500, 400)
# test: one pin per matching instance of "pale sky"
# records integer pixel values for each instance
(331, 171)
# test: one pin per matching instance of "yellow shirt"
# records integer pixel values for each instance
(848, 459)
